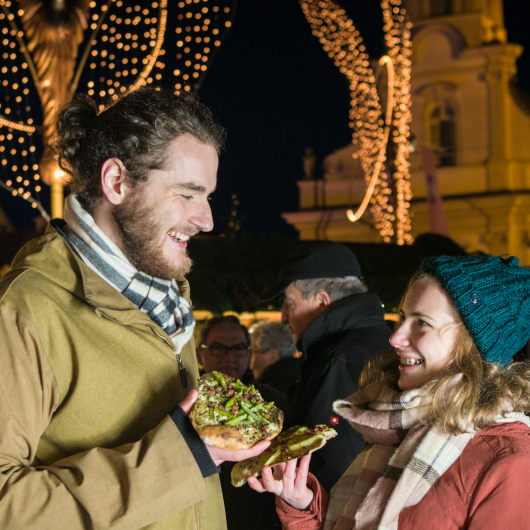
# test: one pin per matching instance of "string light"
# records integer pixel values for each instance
(196, 48)
(343, 43)
(17, 139)
(125, 49)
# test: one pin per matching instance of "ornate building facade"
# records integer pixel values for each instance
(467, 107)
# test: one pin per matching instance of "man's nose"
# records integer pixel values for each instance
(202, 218)
(285, 315)
(229, 353)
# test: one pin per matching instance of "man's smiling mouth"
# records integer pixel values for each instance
(178, 236)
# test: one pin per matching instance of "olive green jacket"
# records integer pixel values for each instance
(86, 385)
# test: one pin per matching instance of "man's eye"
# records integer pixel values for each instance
(187, 197)
(422, 323)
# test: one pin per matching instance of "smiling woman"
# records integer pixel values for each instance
(427, 335)
(443, 414)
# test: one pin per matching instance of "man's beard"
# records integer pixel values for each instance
(140, 230)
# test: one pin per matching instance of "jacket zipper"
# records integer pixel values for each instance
(182, 370)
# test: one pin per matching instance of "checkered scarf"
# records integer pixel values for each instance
(403, 463)
(157, 298)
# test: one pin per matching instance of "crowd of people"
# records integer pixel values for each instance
(99, 367)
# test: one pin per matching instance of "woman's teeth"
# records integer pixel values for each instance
(179, 236)
(409, 362)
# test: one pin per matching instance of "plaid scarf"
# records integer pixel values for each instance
(157, 298)
(405, 460)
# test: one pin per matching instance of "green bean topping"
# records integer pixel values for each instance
(221, 379)
(224, 413)
(236, 420)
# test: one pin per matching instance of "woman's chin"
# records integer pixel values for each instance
(408, 383)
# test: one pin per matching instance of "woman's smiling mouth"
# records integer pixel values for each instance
(409, 361)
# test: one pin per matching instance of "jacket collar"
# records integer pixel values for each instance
(51, 256)
(515, 429)
(353, 312)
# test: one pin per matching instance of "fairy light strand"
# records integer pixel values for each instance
(343, 43)
(124, 51)
(18, 160)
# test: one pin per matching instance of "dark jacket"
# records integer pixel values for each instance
(283, 375)
(336, 346)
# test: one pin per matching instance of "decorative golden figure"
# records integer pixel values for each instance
(54, 30)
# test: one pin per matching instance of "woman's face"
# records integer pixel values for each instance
(426, 339)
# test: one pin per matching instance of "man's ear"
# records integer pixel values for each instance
(323, 300)
(113, 180)
(274, 355)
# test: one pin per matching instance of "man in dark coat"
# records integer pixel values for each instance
(339, 326)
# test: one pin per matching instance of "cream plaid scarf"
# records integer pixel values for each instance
(403, 463)
(156, 297)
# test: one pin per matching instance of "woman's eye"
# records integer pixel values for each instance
(187, 197)
(422, 323)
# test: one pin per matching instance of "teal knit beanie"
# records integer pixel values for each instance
(493, 296)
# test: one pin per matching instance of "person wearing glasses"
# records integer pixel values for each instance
(224, 346)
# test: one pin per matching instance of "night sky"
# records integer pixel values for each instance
(277, 92)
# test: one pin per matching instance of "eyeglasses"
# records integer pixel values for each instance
(220, 350)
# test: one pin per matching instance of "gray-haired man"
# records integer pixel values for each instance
(339, 326)
(273, 362)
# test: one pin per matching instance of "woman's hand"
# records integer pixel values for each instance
(287, 481)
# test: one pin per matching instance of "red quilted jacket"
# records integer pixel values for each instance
(487, 488)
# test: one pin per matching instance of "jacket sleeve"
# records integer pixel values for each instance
(310, 519)
(500, 499)
(127, 487)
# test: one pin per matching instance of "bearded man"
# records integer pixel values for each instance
(96, 325)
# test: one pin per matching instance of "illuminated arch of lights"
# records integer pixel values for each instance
(125, 46)
(373, 128)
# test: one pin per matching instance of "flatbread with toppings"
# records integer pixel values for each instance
(293, 443)
(233, 416)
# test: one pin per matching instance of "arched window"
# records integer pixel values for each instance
(440, 7)
(443, 135)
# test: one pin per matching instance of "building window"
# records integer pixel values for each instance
(443, 135)
(440, 8)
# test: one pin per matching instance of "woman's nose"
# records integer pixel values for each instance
(399, 338)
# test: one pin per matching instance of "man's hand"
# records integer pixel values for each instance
(188, 402)
(287, 481)
(217, 454)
